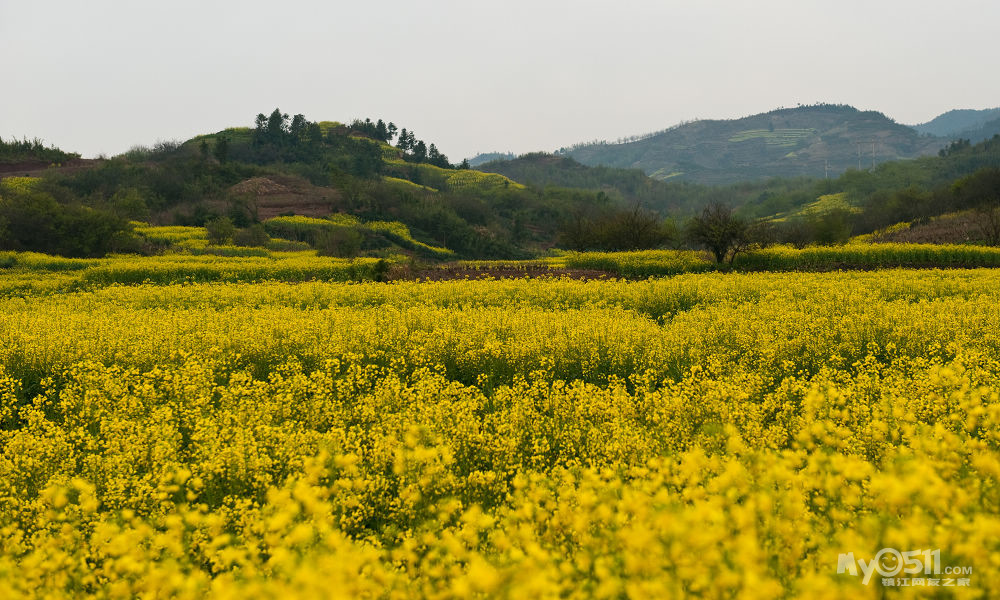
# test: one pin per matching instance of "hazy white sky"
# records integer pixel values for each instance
(99, 76)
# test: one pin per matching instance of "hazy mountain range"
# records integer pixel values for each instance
(815, 141)
(973, 125)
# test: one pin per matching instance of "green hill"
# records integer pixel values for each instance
(403, 195)
(979, 133)
(18, 153)
(811, 141)
(488, 157)
(361, 190)
(958, 178)
(673, 198)
(973, 125)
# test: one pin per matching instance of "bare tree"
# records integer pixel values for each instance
(719, 231)
(989, 221)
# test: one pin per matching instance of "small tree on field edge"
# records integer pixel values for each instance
(719, 231)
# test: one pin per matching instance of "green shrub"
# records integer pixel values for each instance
(32, 220)
(255, 236)
(221, 231)
(282, 245)
(343, 242)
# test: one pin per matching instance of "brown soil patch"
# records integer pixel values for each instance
(958, 228)
(455, 272)
(276, 195)
(259, 186)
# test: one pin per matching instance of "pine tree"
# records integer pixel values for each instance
(436, 158)
(298, 127)
(381, 131)
(277, 126)
(404, 140)
(420, 151)
(221, 150)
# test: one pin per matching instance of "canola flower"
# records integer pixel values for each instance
(211, 264)
(467, 179)
(300, 227)
(856, 255)
(19, 185)
(707, 435)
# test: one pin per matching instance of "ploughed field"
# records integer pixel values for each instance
(712, 435)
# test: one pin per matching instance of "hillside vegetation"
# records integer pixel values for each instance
(675, 199)
(374, 190)
(240, 178)
(805, 141)
(914, 191)
(974, 125)
(15, 152)
(961, 177)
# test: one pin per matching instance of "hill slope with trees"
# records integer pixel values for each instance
(371, 188)
(811, 141)
(962, 124)
(285, 165)
(803, 210)
(630, 187)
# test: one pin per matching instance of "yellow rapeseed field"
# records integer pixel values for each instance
(707, 435)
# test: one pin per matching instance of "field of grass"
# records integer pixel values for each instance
(710, 435)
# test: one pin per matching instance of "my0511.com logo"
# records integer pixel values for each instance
(905, 569)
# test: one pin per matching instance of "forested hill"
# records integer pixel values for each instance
(960, 177)
(631, 187)
(807, 141)
(486, 157)
(973, 125)
(369, 188)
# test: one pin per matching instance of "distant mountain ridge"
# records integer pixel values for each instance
(961, 124)
(979, 134)
(486, 157)
(814, 141)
